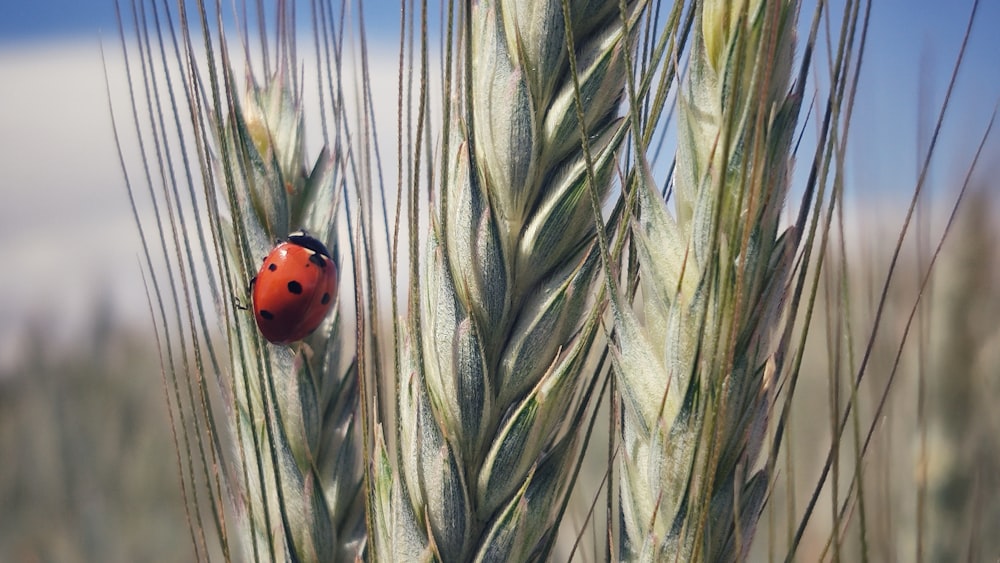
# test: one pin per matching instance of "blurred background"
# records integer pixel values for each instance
(88, 469)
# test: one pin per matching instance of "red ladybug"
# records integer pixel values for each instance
(294, 290)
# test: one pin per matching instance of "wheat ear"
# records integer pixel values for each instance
(274, 441)
(697, 374)
(298, 446)
(489, 386)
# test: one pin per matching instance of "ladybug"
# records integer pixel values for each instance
(294, 289)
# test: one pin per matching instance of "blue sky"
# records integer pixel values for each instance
(911, 56)
(57, 153)
(21, 21)
(36, 20)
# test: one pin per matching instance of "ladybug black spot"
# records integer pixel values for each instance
(266, 315)
(272, 267)
(326, 299)
(294, 287)
(318, 260)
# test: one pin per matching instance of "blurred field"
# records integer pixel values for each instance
(930, 480)
(89, 470)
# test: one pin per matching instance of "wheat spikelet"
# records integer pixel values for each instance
(490, 380)
(697, 375)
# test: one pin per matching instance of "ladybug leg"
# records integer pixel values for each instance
(239, 302)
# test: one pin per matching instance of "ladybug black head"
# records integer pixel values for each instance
(303, 239)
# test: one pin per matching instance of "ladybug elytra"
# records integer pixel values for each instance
(294, 289)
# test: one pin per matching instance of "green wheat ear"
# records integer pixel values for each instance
(697, 375)
(295, 405)
(279, 421)
(491, 385)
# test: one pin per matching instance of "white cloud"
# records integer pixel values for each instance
(64, 224)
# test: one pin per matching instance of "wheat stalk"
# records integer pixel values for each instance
(490, 381)
(697, 374)
(280, 423)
